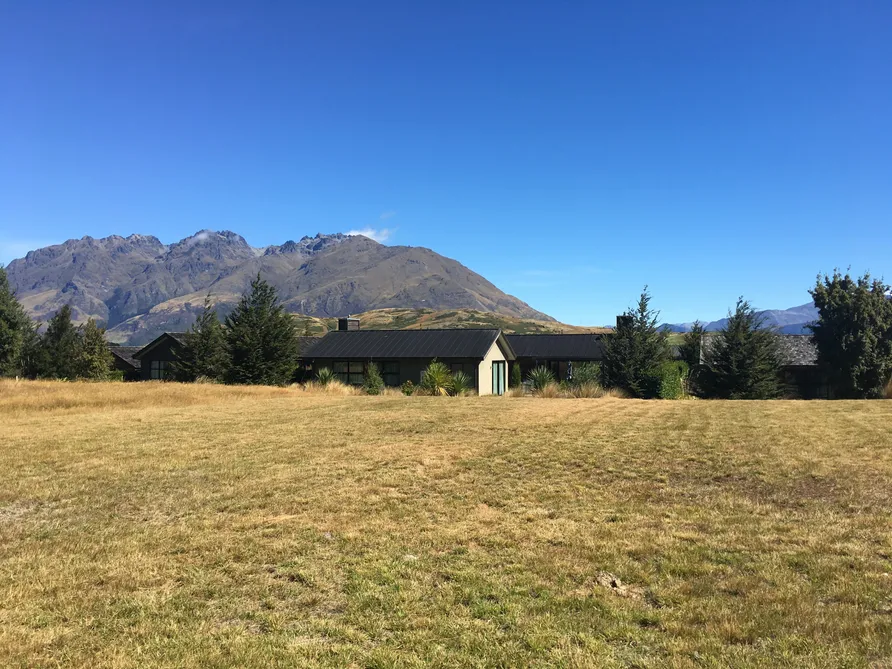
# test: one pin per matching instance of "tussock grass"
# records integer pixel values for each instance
(193, 526)
(333, 387)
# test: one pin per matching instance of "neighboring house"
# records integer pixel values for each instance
(125, 362)
(801, 376)
(403, 355)
(555, 351)
(157, 356)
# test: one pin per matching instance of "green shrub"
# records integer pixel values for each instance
(437, 379)
(540, 377)
(672, 379)
(516, 377)
(372, 383)
(325, 376)
(586, 373)
(408, 388)
(461, 383)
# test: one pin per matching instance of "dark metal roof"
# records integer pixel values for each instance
(125, 354)
(367, 344)
(178, 337)
(304, 344)
(795, 350)
(575, 347)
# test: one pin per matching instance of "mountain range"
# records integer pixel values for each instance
(140, 287)
(786, 321)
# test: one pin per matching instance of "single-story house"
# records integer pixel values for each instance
(800, 374)
(555, 351)
(403, 355)
(124, 361)
(157, 356)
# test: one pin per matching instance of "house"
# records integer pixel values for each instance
(124, 361)
(403, 355)
(555, 351)
(801, 376)
(157, 356)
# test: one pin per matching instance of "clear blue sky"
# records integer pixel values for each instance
(568, 151)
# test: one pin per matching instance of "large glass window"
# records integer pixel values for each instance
(390, 372)
(350, 372)
(159, 369)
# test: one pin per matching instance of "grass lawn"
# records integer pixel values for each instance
(160, 525)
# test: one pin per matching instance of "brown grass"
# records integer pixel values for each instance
(208, 526)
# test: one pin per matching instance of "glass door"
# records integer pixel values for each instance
(498, 377)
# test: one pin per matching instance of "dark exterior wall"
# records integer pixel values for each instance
(806, 382)
(164, 352)
(130, 374)
(411, 369)
(557, 366)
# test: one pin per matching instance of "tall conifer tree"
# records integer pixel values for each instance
(636, 351)
(59, 346)
(742, 361)
(17, 335)
(94, 359)
(203, 354)
(261, 339)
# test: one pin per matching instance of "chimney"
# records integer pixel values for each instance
(623, 320)
(348, 324)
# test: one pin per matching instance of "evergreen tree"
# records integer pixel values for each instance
(260, 339)
(690, 346)
(853, 333)
(635, 352)
(17, 336)
(203, 353)
(60, 346)
(94, 359)
(742, 360)
(689, 352)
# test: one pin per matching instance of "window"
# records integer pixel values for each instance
(159, 369)
(390, 372)
(469, 368)
(350, 372)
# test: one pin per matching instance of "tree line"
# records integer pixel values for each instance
(63, 351)
(257, 344)
(743, 360)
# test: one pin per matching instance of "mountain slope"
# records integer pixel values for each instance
(141, 287)
(787, 321)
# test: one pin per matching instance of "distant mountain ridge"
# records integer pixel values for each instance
(788, 321)
(140, 287)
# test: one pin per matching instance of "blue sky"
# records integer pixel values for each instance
(571, 152)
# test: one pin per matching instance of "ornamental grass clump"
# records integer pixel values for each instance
(437, 379)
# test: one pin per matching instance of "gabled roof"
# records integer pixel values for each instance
(797, 350)
(575, 347)
(304, 344)
(125, 354)
(794, 350)
(381, 344)
(174, 337)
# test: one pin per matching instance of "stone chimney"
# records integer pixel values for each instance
(348, 324)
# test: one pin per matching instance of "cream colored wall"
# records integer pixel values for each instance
(484, 370)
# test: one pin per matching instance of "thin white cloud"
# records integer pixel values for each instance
(380, 235)
(390, 213)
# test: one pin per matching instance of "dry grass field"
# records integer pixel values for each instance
(159, 525)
